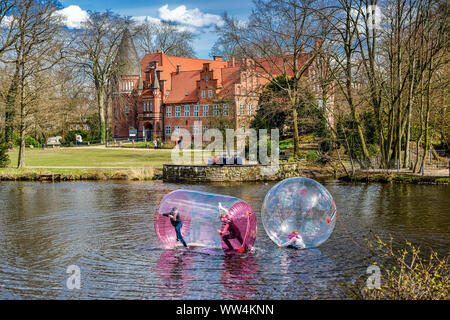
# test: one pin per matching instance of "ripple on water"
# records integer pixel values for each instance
(107, 230)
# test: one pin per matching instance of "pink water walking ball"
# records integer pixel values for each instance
(298, 212)
(206, 219)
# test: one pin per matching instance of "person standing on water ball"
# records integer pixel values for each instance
(229, 230)
(175, 220)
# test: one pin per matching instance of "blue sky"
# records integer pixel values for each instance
(199, 16)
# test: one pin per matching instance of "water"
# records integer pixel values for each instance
(106, 228)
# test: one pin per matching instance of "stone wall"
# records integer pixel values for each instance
(226, 173)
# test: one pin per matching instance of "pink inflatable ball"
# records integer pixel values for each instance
(298, 212)
(200, 215)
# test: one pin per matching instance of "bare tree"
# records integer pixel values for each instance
(94, 51)
(8, 36)
(8, 24)
(274, 40)
(171, 39)
(37, 49)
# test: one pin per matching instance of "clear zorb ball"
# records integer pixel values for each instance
(298, 212)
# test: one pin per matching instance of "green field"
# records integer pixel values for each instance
(93, 157)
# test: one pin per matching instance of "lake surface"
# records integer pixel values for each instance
(106, 228)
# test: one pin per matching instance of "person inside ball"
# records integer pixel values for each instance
(176, 222)
(229, 230)
(294, 241)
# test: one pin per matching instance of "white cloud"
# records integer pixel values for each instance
(6, 21)
(377, 14)
(142, 19)
(190, 17)
(73, 16)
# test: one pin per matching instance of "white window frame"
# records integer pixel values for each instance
(225, 110)
(242, 109)
(168, 130)
(205, 108)
(168, 111)
(196, 110)
(205, 128)
(187, 110)
(216, 110)
(195, 129)
(210, 93)
(203, 94)
(177, 111)
(250, 109)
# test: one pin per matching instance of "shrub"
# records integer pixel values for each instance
(406, 274)
(69, 137)
(30, 141)
(312, 156)
(4, 157)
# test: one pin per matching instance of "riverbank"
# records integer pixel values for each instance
(395, 178)
(77, 174)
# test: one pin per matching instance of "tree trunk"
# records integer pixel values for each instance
(21, 159)
(101, 112)
(296, 136)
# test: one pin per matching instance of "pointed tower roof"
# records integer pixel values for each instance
(155, 84)
(127, 59)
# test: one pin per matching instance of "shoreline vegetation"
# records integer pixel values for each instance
(100, 164)
(151, 173)
(79, 174)
(394, 178)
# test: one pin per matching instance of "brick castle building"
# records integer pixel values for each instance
(158, 94)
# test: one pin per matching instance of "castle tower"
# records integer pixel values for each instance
(127, 84)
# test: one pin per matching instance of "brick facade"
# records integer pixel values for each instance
(164, 93)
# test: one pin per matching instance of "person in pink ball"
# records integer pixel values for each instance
(229, 230)
(176, 222)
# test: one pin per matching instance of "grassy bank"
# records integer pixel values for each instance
(396, 178)
(76, 174)
(93, 157)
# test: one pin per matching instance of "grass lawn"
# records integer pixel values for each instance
(93, 157)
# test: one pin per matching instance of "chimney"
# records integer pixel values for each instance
(178, 68)
(233, 62)
(218, 58)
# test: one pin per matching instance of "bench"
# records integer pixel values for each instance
(54, 141)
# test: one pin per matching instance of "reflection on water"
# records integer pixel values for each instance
(107, 230)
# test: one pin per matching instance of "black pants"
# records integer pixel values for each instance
(232, 235)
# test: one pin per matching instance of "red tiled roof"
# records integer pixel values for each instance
(279, 65)
(184, 87)
(168, 65)
(230, 76)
